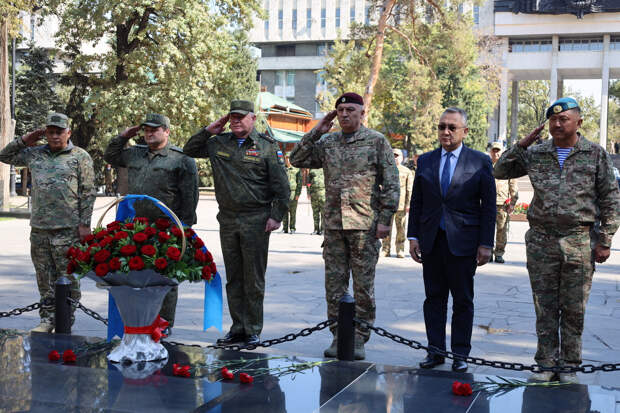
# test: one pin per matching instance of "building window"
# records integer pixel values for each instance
(280, 17)
(323, 15)
(352, 13)
(530, 46)
(367, 8)
(476, 15)
(267, 19)
(295, 19)
(577, 45)
(337, 16)
(614, 43)
(285, 50)
(285, 84)
(309, 15)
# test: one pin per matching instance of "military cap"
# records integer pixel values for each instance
(350, 97)
(561, 105)
(57, 119)
(156, 120)
(497, 145)
(242, 107)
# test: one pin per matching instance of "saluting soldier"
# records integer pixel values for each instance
(63, 195)
(507, 195)
(160, 170)
(252, 192)
(295, 184)
(362, 190)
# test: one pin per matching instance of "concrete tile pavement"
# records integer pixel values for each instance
(504, 324)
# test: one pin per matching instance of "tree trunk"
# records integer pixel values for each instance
(377, 57)
(6, 125)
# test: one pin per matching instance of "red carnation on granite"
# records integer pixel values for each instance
(68, 356)
(53, 355)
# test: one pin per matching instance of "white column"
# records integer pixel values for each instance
(604, 91)
(514, 113)
(553, 87)
(560, 92)
(316, 33)
(503, 105)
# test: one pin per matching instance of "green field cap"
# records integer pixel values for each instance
(156, 120)
(57, 119)
(242, 107)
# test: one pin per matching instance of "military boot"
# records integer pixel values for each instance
(359, 353)
(332, 351)
(543, 376)
(569, 378)
(44, 327)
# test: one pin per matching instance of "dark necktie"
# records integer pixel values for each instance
(445, 184)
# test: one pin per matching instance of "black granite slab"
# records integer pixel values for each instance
(29, 382)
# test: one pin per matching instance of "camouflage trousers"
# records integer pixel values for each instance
(560, 267)
(317, 200)
(399, 220)
(291, 216)
(502, 222)
(352, 252)
(244, 246)
(48, 249)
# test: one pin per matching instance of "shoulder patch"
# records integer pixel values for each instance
(176, 149)
(280, 157)
(267, 138)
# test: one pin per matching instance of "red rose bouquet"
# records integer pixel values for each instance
(137, 245)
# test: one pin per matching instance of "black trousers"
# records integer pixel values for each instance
(445, 274)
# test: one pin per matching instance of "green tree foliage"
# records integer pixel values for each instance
(125, 59)
(34, 91)
(428, 63)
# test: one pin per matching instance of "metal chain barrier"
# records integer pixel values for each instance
(31, 307)
(76, 304)
(266, 343)
(534, 368)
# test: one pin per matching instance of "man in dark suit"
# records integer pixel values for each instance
(451, 228)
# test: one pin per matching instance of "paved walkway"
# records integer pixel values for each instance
(504, 325)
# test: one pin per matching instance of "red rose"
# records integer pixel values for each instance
(213, 267)
(83, 256)
(189, 233)
(245, 378)
(68, 356)
(140, 237)
(161, 263)
(150, 231)
(148, 250)
(128, 250)
(53, 355)
(142, 220)
(129, 225)
(136, 263)
(89, 238)
(101, 234)
(198, 243)
(114, 264)
(113, 224)
(72, 252)
(200, 256)
(174, 253)
(206, 273)
(102, 269)
(163, 237)
(102, 256)
(162, 223)
(71, 267)
(106, 241)
(176, 232)
(120, 235)
(209, 256)
(461, 389)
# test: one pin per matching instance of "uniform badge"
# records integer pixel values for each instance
(251, 152)
(343, 100)
(280, 158)
(557, 109)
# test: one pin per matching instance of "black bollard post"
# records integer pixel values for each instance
(346, 328)
(63, 307)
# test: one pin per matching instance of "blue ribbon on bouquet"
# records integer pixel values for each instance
(212, 315)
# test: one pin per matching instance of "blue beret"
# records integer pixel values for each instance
(561, 105)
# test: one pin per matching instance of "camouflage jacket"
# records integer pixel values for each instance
(316, 181)
(360, 175)
(246, 178)
(166, 174)
(506, 190)
(571, 196)
(294, 181)
(406, 186)
(63, 183)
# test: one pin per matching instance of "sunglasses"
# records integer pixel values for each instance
(452, 128)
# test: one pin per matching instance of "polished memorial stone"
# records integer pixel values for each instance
(29, 381)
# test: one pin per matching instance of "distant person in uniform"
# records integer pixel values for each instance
(316, 192)
(63, 196)
(507, 195)
(160, 170)
(295, 184)
(400, 217)
(252, 192)
(574, 187)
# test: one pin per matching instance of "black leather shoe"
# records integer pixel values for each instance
(431, 361)
(252, 340)
(459, 366)
(499, 260)
(231, 338)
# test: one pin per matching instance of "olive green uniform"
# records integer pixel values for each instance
(251, 186)
(316, 190)
(295, 184)
(63, 195)
(166, 174)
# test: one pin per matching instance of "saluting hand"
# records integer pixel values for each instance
(532, 137)
(131, 132)
(326, 124)
(31, 138)
(218, 126)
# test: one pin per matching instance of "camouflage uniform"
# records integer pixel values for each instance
(63, 196)
(166, 174)
(251, 186)
(559, 256)
(316, 190)
(507, 194)
(294, 182)
(405, 177)
(361, 190)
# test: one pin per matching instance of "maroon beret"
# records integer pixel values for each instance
(350, 97)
